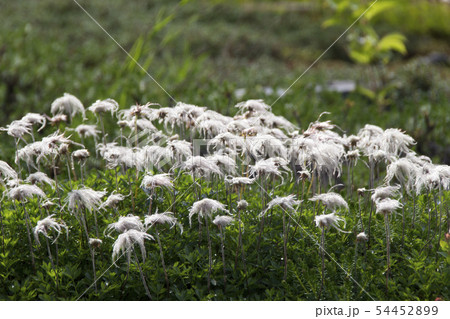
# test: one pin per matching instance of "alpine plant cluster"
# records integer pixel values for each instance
(253, 168)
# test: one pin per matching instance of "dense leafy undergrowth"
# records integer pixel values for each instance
(286, 162)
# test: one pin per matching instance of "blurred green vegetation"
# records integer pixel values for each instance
(202, 51)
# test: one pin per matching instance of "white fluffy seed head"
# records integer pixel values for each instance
(368, 136)
(352, 155)
(274, 123)
(179, 150)
(444, 175)
(141, 125)
(161, 114)
(352, 141)
(141, 110)
(184, 115)
(116, 155)
(318, 126)
(68, 105)
(329, 220)
(361, 191)
(51, 146)
(87, 130)
(151, 155)
(362, 237)
(63, 149)
(223, 221)
(199, 166)
(387, 206)
(58, 118)
(225, 162)
(25, 191)
(150, 182)
(431, 177)
(95, 242)
(161, 219)
(384, 192)
(112, 200)
(103, 106)
(40, 178)
(304, 175)
(125, 243)
(17, 128)
(253, 106)
(418, 160)
(14, 182)
(404, 170)
(85, 198)
(394, 141)
(81, 154)
(46, 224)
(6, 171)
(266, 146)
(286, 203)
(208, 115)
(227, 139)
(205, 208)
(210, 128)
(242, 204)
(35, 118)
(264, 168)
(47, 204)
(239, 180)
(126, 223)
(331, 200)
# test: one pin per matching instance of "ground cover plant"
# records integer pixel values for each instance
(294, 222)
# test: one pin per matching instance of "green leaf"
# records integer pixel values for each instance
(135, 52)
(393, 41)
(161, 24)
(378, 8)
(360, 57)
(366, 92)
(342, 6)
(330, 22)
